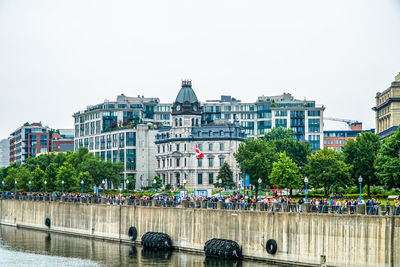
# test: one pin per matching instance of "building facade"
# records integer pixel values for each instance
(175, 156)
(4, 152)
(337, 139)
(387, 109)
(30, 140)
(257, 118)
(121, 131)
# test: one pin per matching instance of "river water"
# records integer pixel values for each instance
(22, 247)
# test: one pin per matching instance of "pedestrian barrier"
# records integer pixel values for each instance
(155, 240)
(222, 249)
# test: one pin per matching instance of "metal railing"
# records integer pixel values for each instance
(213, 204)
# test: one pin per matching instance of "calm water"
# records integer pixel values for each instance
(21, 247)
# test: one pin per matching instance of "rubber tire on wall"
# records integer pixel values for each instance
(271, 246)
(47, 222)
(132, 233)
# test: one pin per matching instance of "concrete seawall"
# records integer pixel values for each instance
(345, 240)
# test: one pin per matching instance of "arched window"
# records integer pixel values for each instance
(176, 122)
(197, 122)
(180, 122)
(192, 122)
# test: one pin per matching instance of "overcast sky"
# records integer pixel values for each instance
(57, 57)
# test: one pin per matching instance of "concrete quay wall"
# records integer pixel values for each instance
(302, 238)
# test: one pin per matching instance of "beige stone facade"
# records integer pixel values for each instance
(387, 109)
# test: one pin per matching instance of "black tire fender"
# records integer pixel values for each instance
(271, 246)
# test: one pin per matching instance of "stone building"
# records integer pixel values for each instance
(176, 159)
(387, 109)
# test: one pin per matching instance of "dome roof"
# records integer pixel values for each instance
(186, 94)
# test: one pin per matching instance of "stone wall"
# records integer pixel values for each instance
(345, 240)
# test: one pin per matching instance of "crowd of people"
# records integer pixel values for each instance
(238, 201)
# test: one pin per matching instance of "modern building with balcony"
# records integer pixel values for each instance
(122, 131)
(4, 152)
(257, 118)
(387, 109)
(30, 140)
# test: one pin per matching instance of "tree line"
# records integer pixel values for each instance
(280, 160)
(70, 168)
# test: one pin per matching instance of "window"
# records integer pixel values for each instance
(177, 147)
(200, 178)
(281, 113)
(221, 162)
(210, 146)
(200, 146)
(115, 155)
(199, 162)
(131, 139)
(211, 162)
(43, 150)
(211, 178)
(177, 162)
(221, 147)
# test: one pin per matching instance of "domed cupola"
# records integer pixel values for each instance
(186, 102)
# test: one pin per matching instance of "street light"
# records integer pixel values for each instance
(15, 188)
(360, 179)
(45, 192)
(104, 182)
(184, 185)
(220, 182)
(2, 185)
(62, 183)
(82, 186)
(306, 181)
(259, 187)
(154, 185)
(127, 187)
(29, 187)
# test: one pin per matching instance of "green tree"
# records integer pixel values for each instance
(51, 176)
(226, 175)
(387, 163)
(87, 181)
(67, 173)
(158, 182)
(23, 178)
(38, 180)
(285, 173)
(12, 176)
(325, 168)
(279, 133)
(255, 157)
(362, 154)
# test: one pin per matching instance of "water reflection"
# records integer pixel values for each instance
(51, 249)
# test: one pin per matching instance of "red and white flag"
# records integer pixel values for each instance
(199, 154)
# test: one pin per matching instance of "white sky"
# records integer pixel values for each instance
(57, 57)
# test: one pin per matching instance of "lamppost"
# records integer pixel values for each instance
(360, 179)
(45, 192)
(15, 188)
(306, 181)
(154, 185)
(104, 182)
(82, 186)
(2, 185)
(220, 182)
(29, 187)
(62, 183)
(127, 187)
(259, 187)
(184, 187)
